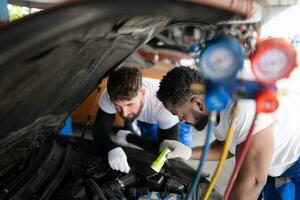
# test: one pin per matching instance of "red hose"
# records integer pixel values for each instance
(240, 161)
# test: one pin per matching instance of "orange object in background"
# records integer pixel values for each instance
(80, 115)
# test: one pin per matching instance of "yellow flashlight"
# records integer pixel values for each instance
(160, 160)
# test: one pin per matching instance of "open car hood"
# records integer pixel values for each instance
(52, 60)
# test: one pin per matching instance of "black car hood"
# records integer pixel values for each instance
(52, 60)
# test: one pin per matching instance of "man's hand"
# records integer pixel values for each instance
(178, 150)
(117, 160)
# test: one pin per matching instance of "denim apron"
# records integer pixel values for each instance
(149, 132)
(284, 187)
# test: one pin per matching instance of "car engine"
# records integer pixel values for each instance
(55, 167)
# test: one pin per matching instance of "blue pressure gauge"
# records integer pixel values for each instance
(221, 59)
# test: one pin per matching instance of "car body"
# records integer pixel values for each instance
(169, 56)
(50, 62)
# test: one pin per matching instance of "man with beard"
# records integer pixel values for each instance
(272, 161)
(134, 99)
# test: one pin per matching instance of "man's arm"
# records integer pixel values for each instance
(102, 129)
(168, 134)
(152, 145)
(254, 170)
(214, 154)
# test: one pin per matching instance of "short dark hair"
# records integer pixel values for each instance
(124, 83)
(177, 85)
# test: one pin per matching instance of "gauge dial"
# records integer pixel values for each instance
(221, 59)
(272, 60)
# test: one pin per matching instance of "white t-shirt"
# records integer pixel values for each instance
(286, 123)
(153, 111)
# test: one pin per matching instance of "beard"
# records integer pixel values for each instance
(200, 121)
(132, 117)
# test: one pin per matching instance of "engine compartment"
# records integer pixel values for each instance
(55, 167)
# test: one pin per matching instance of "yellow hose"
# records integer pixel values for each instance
(225, 151)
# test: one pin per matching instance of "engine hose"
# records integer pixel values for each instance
(215, 195)
(224, 154)
(98, 194)
(211, 122)
(119, 183)
(240, 161)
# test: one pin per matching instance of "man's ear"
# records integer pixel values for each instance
(143, 91)
(197, 103)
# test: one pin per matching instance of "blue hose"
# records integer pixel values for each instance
(196, 179)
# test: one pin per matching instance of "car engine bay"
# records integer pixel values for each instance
(55, 167)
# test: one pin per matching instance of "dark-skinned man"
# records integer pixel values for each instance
(272, 161)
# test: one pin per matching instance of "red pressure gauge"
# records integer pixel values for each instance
(273, 59)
